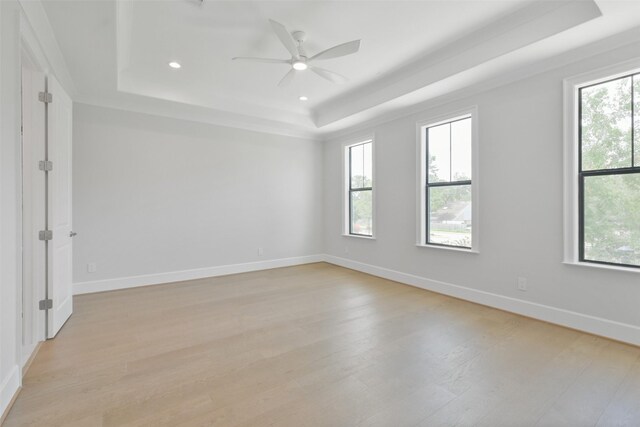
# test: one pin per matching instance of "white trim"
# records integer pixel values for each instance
(604, 266)
(571, 155)
(421, 167)
(41, 32)
(8, 389)
(198, 273)
(467, 55)
(358, 236)
(606, 46)
(362, 138)
(199, 114)
(28, 351)
(583, 322)
(32, 198)
(447, 248)
(31, 46)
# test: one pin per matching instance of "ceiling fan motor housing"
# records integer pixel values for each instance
(299, 36)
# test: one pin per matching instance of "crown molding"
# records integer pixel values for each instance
(481, 58)
(621, 46)
(529, 24)
(192, 113)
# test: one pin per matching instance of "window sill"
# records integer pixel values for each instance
(448, 248)
(602, 266)
(359, 237)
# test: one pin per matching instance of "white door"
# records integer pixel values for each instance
(33, 209)
(59, 253)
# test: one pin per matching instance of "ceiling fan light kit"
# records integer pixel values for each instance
(300, 65)
(294, 43)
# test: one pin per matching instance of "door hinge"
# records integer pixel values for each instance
(45, 304)
(45, 165)
(45, 97)
(45, 234)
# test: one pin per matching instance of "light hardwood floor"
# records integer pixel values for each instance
(319, 345)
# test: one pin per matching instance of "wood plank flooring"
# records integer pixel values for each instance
(319, 345)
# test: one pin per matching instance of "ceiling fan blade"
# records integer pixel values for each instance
(267, 60)
(341, 50)
(285, 37)
(287, 78)
(329, 75)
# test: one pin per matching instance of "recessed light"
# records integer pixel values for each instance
(174, 64)
(303, 98)
(299, 65)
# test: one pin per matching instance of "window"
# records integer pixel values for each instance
(446, 182)
(609, 171)
(359, 172)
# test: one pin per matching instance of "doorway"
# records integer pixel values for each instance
(47, 296)
(33, 207)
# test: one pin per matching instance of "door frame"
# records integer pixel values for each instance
(31, 324)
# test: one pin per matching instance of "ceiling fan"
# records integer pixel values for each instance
(300, 61)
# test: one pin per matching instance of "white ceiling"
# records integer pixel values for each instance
(205, 38)
(117, 52)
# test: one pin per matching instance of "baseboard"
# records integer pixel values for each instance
(179, 276)
(9, 391)
(32, 353)
(571, 319)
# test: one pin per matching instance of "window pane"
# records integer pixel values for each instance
(439, 138)
(612, 218)
(368, 166)
(636, 119)
(606, 125)
(361, 212)
(357, 166)
(461, 150)
(450, 215)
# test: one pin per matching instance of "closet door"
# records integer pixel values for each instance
(59, 253)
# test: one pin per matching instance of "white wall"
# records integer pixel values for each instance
(154, 195)
(521, 186)
(9, 201)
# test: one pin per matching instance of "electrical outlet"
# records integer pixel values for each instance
(92, 267)
(260, 251)
(522, 284)
(346, 249)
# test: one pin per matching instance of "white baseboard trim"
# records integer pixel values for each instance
(595, 325)
(29, 353)
(583, 322)
(8, 389)
(198, 273)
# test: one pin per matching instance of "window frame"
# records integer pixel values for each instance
(347, 190)
(422, 187)
(574, 176)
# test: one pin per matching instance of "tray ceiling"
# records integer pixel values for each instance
(118, 52)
